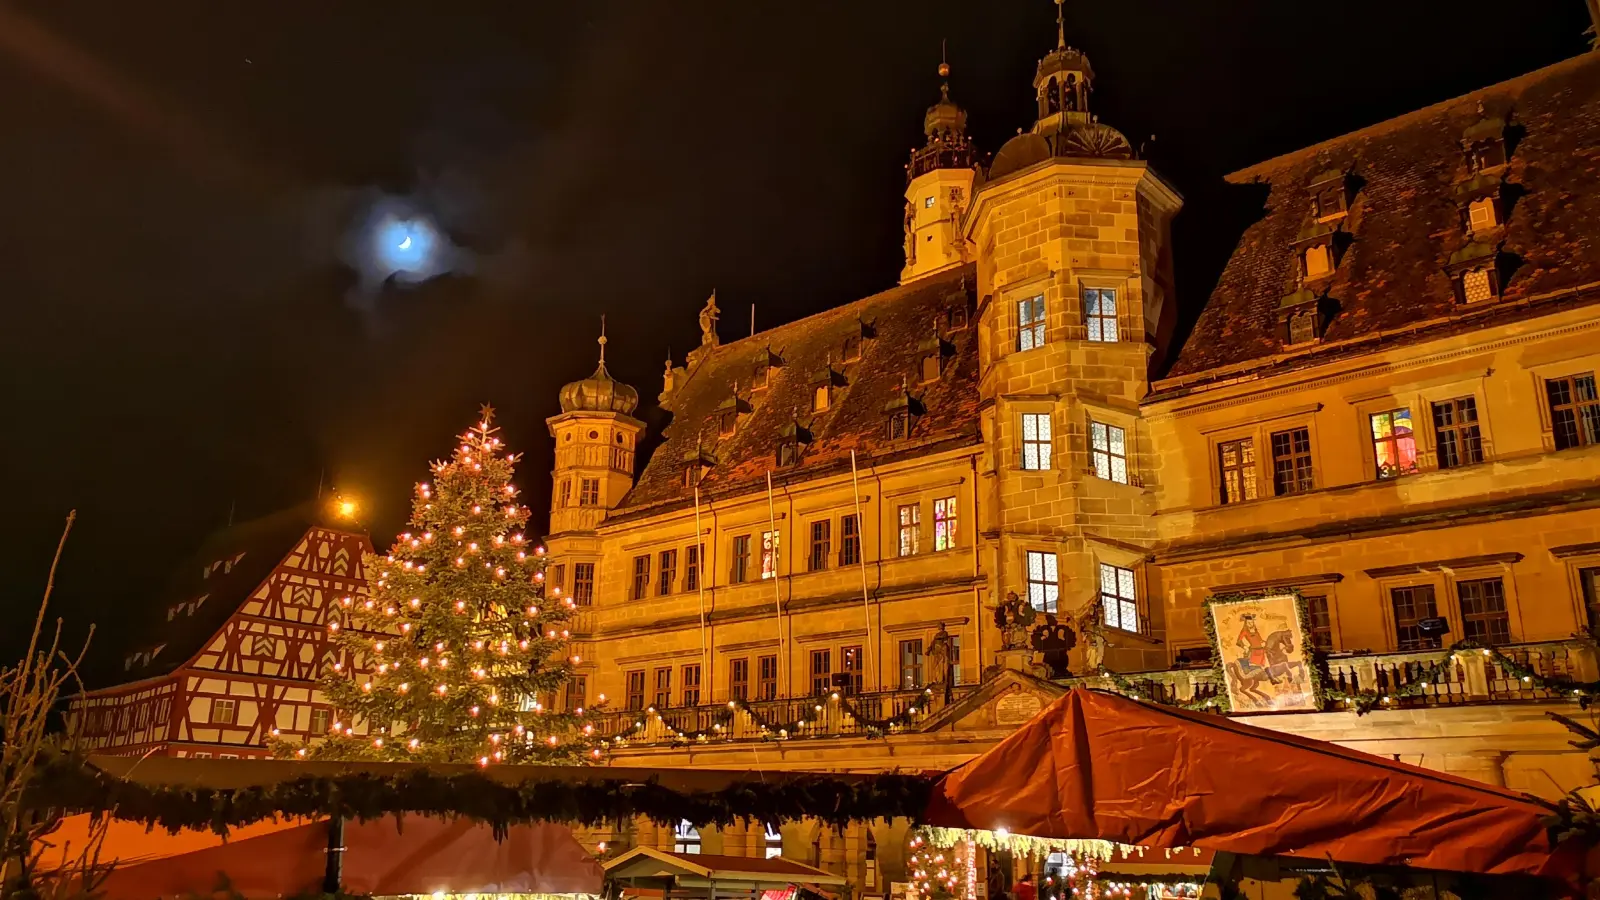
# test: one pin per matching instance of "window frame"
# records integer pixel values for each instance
(946, 523)
(1095, 320)
(1038, 450)
(1122, 602)
(588, 492)
(583, 587)
(852, 663)
(911, 671)
(228, 703)
(821, 550)
(1103, 461)
(1575, 406)
(634, 689)
(689, 687)
(641, 577)
(770, 554)
(908, 529)
(849, 540)
(691, 567)
(1248, 473)
(739, 559)
(1044, 589)
(767, 676)
(819, 666)
(576, 689)
(661, 687)
(1468, 620)
(1420, 642)
(1394, 439)
(739, 678)
(666, 571)
(1032, 316)
(1299, 485)
(1463, 433)
(1331, 629)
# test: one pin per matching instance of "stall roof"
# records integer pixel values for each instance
(699, 870)
(1099, 765)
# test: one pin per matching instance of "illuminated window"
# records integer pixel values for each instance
(1318, 261)
(589, 492)
(944, 523)
(1477, 285)
(1482, 215)
(769, 555)
(1100, 314)
(1394, 445)
(685, 838)
(1036, 441)
(910, 529)
(1119, 598)
(1030, 323)
(1109, 447)
(1044, 582)
(821, 397)
(927, 202)
(931, 365)
(1236, 464)
(850, 666)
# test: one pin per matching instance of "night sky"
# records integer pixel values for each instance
(189, 326)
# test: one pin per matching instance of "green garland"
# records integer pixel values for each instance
(1217, 703)
(773, 730)
(73, 785)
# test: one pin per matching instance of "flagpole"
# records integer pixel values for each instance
(861, 559)
(700, 584)
(777, 593)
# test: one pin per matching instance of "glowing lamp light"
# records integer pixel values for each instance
(347, 508)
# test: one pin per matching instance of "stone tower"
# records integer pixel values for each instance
(1071, 232)
(938, 187)
(596, 437)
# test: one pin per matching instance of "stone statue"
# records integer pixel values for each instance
(1014, 616)
(911, 233)
(1052, 640)
(1091, 625)
(708, 322)
(1069, 94)
(938, 661)
(1052, 97)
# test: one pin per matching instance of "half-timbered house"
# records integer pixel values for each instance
(239, 640)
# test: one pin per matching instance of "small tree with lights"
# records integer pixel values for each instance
(455, 650)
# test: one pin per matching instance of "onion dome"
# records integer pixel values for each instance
(945, 126)
(599, 392)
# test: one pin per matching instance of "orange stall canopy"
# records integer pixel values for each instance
(1099, 765)
(383, 857)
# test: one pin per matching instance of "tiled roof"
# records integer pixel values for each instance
(1404, 225)
(209, 588)
(897, 330)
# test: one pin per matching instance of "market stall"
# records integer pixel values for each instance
(1100, 766)
(646, 872)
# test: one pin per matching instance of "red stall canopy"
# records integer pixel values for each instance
(1099, 765)
(420, 856)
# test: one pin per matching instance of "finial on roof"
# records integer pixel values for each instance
(944, 65)
(602, 340)
(1061, 28)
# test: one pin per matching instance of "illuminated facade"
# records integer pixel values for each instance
(1388, 404)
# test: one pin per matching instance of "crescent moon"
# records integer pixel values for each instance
(406, 244)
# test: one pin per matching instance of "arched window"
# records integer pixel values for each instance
(685, 838)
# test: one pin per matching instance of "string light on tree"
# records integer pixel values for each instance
(466, 636)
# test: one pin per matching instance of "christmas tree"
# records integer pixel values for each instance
(455, 650)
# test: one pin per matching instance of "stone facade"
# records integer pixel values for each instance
(1353, 418)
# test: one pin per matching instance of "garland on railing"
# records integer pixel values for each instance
(1215, 703)
(72, 784)
(777, 731)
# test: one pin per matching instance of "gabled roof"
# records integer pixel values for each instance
(207, 589)
(897, 329)
(1404, 224)
(646, 862)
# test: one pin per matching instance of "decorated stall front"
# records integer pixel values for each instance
(1100, 766)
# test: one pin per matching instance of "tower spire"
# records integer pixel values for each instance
(602, 340)
(1061, 27)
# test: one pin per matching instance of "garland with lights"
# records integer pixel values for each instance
(460, 651)
(773, 730)
(69, 783)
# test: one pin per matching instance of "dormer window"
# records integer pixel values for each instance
(758, 379)
(852, 348)
(900, 425)
(696, 463)
(955, 317)
(1478, 271)
(1330, 196)
(691, 475)
(1478, 285)
(932, 367)
(821, 397)
(1483, 215)
(1303, 326)
(729, 422)
(1489, 154)
(728, 412)
(1303, 317)
(1317, 262)
(788, 452)
(902, 411)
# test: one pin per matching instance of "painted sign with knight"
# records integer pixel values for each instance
(1261, 642)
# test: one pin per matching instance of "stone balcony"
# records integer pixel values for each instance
(1395, 681)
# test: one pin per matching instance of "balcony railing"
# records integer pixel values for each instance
(1409, 680)
(866, 715)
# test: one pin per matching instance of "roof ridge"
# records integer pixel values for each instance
(1519, 82)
